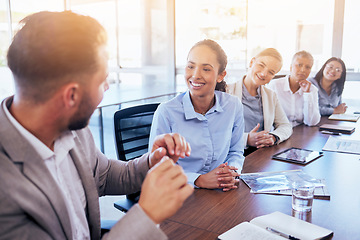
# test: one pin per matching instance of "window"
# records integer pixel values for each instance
(291, 26)
(351, 36)
(138, 38)
(222, 21)
(22, 8)
(19, 9)
(243, 28)
(4, 33)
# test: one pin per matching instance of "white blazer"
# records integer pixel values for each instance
(275, 119)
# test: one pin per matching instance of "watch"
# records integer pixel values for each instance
(277, 139)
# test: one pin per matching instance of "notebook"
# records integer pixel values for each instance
(345, 117)
(275, 226)
(337, 128)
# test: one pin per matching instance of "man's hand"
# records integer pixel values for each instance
(164, 190)
(305, 85)
(172, 145)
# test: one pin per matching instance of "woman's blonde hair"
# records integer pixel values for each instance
(270, 52)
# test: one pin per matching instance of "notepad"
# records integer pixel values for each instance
(337, 128)
(344, 117)
(286, 224)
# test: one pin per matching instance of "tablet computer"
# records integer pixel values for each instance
(297, 155)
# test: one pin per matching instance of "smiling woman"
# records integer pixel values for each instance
(204, 72)
(262, 109)
(211, 120)
(330, 81)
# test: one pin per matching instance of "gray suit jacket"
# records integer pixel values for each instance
(32, 206)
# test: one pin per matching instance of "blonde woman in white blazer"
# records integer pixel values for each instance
(273, 126)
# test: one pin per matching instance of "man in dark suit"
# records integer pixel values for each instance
(51, 173)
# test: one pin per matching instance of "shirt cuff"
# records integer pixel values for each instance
(306, 96)
(192, 178)
(136, 224)
(277, 139)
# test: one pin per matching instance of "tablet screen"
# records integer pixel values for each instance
(297, 155)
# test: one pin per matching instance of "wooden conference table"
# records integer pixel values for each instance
(208, 213)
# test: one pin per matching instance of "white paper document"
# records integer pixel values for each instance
(282, 223)
(339, 144)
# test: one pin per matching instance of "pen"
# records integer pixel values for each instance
(331, 133)
(281, 233)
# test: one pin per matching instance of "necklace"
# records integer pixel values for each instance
(212, 103)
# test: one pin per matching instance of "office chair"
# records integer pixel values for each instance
(106, 225)
(132, 131)
(279, 76)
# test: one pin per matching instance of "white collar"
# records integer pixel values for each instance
(66, 140)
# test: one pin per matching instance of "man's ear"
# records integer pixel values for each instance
(71, 94)
(221, 76)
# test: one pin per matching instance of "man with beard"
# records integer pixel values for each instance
(50, 169)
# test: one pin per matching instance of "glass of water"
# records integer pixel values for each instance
(302, 196)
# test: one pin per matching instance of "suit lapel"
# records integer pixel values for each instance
(90, 188)
(37, 172)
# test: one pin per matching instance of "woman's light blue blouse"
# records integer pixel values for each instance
(214, 138)
(327, 103)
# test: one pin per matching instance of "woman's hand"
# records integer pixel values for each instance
(227, 178)
(340, 109)
(223, 176)
(260, 139)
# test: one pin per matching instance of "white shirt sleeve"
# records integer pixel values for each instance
(311, 107)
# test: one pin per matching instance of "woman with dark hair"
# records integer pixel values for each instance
(212, 121)
(330, 81)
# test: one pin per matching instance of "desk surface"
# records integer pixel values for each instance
(208, 213)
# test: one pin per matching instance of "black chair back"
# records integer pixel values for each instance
(132, 131)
